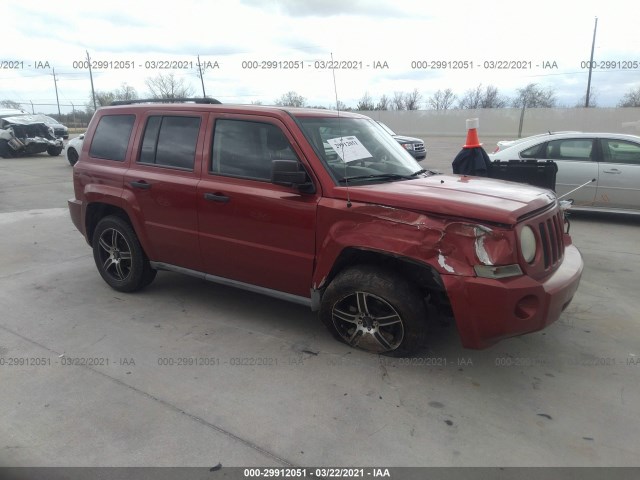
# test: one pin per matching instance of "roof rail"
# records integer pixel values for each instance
(165, 100)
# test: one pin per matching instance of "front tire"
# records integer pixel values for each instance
(119, 256)
(376, 310)
(54, 151)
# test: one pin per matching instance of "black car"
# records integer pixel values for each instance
(59, 130)
(413, 145)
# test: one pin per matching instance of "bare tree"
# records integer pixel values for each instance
(125, 92)
(168, 86)
(397, 102)
(472, 98)
(291, 99)
(384, 103)
(593, 100)
(412, 100)
(442, 100)
(10, 104)
(478, 97)
(631, 98)
(105, 98)
(365, 103)
(343, 106)
(492, 98)
(533, 96)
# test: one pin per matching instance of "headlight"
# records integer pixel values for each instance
(408, 146)
(528, 244)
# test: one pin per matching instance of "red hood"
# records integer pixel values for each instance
(461, 196)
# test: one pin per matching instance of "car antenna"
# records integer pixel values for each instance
(335, 90)
(577, 188)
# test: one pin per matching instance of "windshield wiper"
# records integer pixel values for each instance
(379, 176)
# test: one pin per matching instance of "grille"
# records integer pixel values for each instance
(418, 147)
(551, 233)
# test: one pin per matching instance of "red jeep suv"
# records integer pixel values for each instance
(321, 208)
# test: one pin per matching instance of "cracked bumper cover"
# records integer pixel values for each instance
(488, 310)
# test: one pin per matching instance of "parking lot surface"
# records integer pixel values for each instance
(188, 373)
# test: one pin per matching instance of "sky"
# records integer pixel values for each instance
(256, 50)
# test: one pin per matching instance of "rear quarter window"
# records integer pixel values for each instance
(533, 152)
(111, 137)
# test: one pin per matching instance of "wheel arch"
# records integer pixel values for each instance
(424, 276)
(96, 211)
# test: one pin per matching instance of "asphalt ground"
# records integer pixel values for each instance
(187, 373)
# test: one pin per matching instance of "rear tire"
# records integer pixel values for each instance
(376, 310)
(72, 156)
(119, 256)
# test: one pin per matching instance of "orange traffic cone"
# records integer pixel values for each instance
(472, 133)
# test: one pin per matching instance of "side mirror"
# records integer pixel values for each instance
(288, 174)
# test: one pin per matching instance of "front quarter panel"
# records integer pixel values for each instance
(451, 247)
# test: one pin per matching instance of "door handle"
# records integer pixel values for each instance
(216, 197)
(141, 184)
(613, 170)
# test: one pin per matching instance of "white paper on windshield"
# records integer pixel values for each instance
(349, 148)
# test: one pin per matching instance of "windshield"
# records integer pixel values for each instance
(386, 128)
(358, 150)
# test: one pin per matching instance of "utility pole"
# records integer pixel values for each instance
(55, 83)
(593, 45)
(204, 95)
(93, 93)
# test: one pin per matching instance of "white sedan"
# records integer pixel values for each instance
(613, 160)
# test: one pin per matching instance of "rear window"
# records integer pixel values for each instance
(112, 136)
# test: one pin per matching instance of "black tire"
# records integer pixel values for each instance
(356, 301)
(72, 156)
(54, 151)
(119, 256)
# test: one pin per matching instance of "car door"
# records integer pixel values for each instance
(252, 230)
(162, 183)
(577, 160)
(619, 178)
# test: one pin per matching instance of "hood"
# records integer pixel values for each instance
(23, 120)
(404, 139)
(477, 198)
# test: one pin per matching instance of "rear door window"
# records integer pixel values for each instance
(170, 141)
(570, 149)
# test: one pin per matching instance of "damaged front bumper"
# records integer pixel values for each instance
(488, 310)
